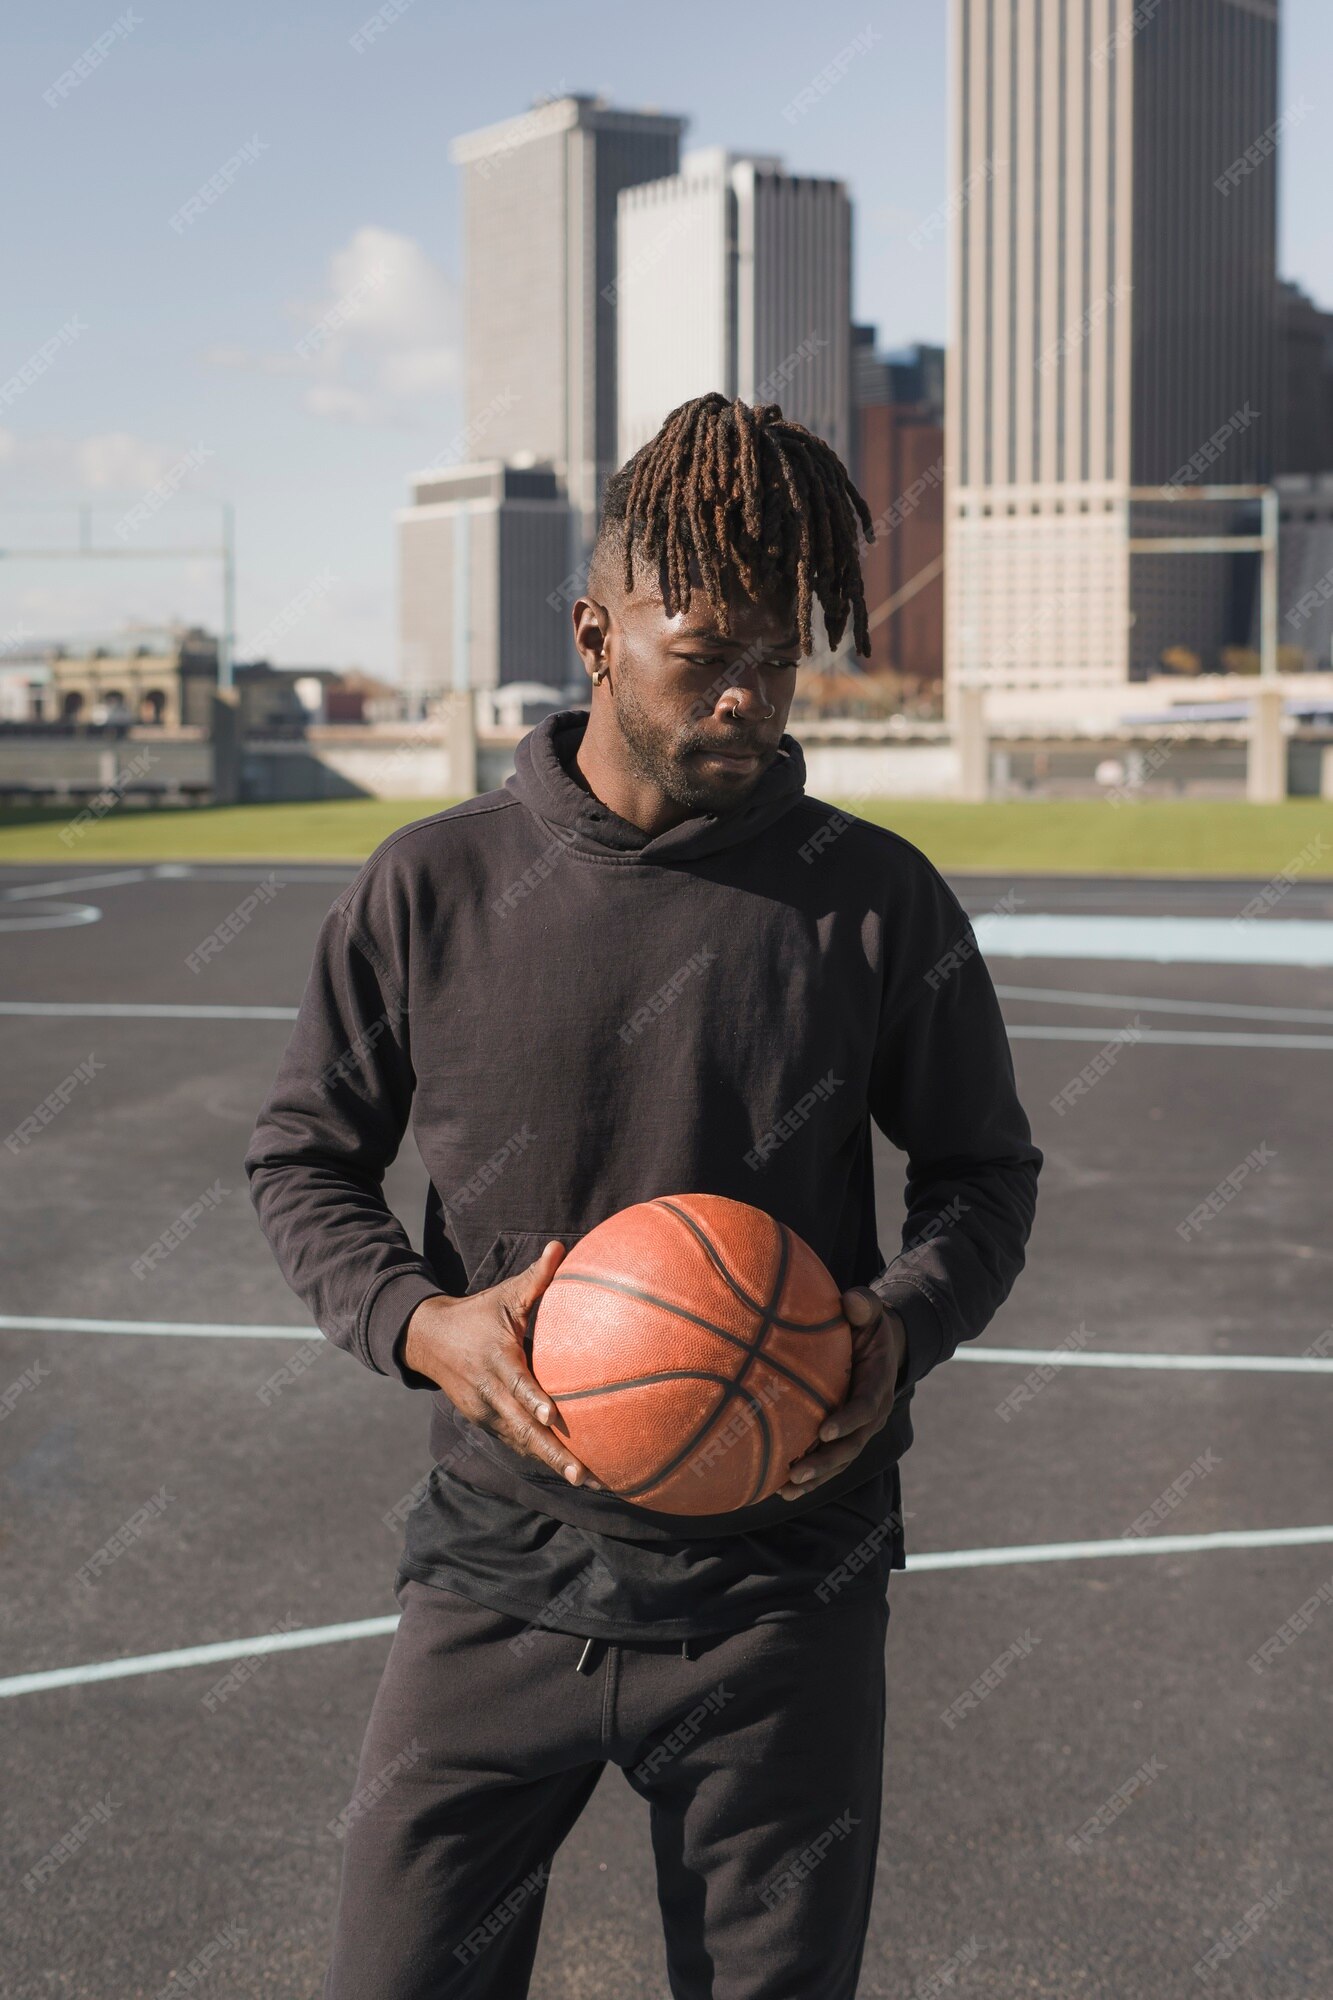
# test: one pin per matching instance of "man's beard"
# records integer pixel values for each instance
(661, 757)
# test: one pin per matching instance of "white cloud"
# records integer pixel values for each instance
(116, 462)
(378, 344)
(46, 465)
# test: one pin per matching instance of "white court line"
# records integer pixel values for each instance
(1128, 1545)
(200, 1329)
(66, 882)
(1189, 1038)
(367, 1628)
(1072, 998)
(1257, 1364)
(197, 1656)
(1164, 940)
(142, 1010)
(60, 917)
(1241, 1364)
(133, 1010)
(207, 871)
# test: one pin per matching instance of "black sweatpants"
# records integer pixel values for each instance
(760, 1755)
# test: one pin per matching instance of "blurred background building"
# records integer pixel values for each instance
(735, 275)
(484, 547)
(1304, 398)
(1114, 280)
(899, 464)
(162, 676)
(539, 195)
(480, 549)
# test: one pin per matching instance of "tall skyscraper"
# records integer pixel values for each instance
(735, 275)
(1113, 244)
(539, 256)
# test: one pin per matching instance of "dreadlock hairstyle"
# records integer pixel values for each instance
(747, 493)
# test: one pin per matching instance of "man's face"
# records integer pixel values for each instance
(692, 702)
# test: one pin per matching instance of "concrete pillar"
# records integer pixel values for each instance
(969, 737)
(459, 716)
(1266, 769)
(225, 742)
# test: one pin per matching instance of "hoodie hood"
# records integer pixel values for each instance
(542, 782)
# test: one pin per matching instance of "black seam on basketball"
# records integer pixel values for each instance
(691, 1444)
(766, 1323)
(749, 1348)
(695, 1443)
(766, 1454)
(639, 1382)
(715, 1256)
(710, 1250)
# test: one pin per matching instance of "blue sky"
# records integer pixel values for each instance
(180, 359)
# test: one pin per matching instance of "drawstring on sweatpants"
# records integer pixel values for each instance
(587, 1659)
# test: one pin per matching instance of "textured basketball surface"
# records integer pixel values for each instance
(692, 1346)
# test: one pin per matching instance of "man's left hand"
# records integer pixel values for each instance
(879, 1346)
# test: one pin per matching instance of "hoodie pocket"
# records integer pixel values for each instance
(513, 1250)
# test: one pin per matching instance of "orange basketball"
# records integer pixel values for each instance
(692, 1346)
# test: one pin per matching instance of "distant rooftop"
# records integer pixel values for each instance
(152, 640)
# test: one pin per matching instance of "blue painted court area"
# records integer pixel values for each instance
(1160, 940)
(1118, 1505)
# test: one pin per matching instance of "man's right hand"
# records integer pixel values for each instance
(473, 1349)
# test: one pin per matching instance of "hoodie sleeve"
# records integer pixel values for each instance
(942, 1090)
(329, 1131)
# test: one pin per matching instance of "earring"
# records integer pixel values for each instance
(600, 675)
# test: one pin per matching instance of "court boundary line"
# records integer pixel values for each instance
(1180, 1038)
(148, 1010)
(1061, 1357)
(155, 1328)
(1070, 996)
(1019, 1357)
(214, 1654)
(141, 1010)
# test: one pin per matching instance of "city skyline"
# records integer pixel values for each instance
(295, 336)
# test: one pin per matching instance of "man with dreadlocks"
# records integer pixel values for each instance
(648, 964)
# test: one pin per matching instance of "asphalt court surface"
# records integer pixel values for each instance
(1108, 1702)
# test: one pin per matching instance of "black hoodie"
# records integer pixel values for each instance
(577, 1016)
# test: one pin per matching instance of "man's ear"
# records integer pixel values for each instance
(592, 633)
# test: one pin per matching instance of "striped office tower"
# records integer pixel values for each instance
(1112, 216)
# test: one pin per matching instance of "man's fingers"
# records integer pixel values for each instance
(858, 1413)
(525, 1390)
(860, 1307)
(822, 1461)
(523, 1413)
(526, 1435)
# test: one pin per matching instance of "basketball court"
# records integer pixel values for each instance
(1109, 1657)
